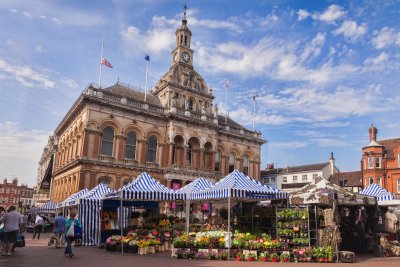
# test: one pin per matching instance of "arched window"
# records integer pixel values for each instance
(105, 181)
(152, 149)
(246, 164)
(130, 145)
(370, 163)
(379, 181)
(231, 163)
(218, 161)
(189, 154)
(107, 142)
(371, 180)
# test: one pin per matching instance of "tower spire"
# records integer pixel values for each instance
(184, 21)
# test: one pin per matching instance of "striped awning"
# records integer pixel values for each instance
(377, 191)
(238, 185)
(49, 207)
(195, 186)
(73, 200)
(96, 194)
(145, 188)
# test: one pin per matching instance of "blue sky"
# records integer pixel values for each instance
(324, 70)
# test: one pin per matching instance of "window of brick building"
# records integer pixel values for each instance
(371, 180)
(105, 181)
(378, 162)
(107, 142)
(379, 181)
(370, 163)
(246, 164)
(130, 145)
(232, 160)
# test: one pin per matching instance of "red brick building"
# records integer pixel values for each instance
(9, 193)
(380, 162)
(12, 194)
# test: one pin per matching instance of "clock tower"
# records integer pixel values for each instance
(182, 53)
(182, 88)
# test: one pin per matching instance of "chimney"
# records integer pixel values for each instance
(332, 163)
(372, 133)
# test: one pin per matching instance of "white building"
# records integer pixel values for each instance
(294, 177)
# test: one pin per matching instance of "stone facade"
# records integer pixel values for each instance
(111, 135)
(380, 162)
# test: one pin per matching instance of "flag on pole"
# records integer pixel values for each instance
(254, 97)
(227, 84)
(147, 57)
(105, 62)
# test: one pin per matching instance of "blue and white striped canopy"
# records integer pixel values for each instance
(195, 186)
(239, 186)
(377, 191)
(97, 192)
(49, 207)
(73, 200)
(145, 188)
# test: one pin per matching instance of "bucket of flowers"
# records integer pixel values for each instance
(239, 257)
(252, 257)
(133, 247)
(274, 257)
(142, 244)
(223, 255)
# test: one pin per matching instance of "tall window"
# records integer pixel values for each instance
(379, 181)
(398, 185)
(218, 161)
(304, 178)
(370, 163)
(190, 104)
(130, 145)
(371, 180)
(314, 176)
(284, 179)
(231, 163)
(246, 164)
(295, 178)
(107, 142)
(378, 162)
(189, 154)
(365, 164)
(152, 149)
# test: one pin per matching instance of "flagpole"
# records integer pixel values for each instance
(254, 111)
(145, 86)
(101, 65)
(226, 101)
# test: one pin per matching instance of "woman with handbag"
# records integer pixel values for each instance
(72, 231)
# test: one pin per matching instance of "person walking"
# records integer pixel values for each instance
(71, 232)
(39, 222)
(59, 228)
(12, 224)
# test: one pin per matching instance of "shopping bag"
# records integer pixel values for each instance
(20, 241)
(71, 230)
(77, 232)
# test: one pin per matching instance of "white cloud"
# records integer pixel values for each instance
(351, 30)
(314, 48)
(20, 147)
(39, 48)
(302, 14)
(386, 37)
(13, 10)
(381, 58)
(288, 145)
(25, 75)
(42, 17)
(330, 15)
(27, 14)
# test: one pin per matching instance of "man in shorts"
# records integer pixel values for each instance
(12, 222)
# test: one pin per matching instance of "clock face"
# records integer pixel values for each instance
(176, 57)
(185, 57)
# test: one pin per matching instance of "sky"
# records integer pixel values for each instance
(324, 70)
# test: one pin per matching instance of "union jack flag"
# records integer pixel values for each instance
(106, 63)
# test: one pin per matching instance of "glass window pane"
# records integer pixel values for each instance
(106, 148)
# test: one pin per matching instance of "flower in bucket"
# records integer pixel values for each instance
(142, 244)
(263, 257)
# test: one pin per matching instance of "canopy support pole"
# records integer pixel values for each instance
(187, 211)
(229, 224)
(121, 223)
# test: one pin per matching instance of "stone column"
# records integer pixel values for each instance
(119, 147)
(142, 151)
(171, 154)
(213, 161)
(184, 155)
(161, 155)
(85, 147)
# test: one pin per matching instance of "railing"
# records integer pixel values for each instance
(156, 109)
(181, 112)
(135, 103)
(112, 97)
(106, 158)
(151, 165)
(130, 161)
(195, 115)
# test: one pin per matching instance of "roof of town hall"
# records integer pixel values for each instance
(390, 145)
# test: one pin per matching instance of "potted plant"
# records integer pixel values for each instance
(239, 257)
(251, 257)
(274, 257)
(142, 247)
(329, 253)
(263, 257)
(285, 256)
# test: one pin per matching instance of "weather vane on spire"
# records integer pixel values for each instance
(184, 11)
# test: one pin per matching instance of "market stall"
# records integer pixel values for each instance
(143, 189)
(383, 197)
(71, 201)
(236, 186)
(195, 186)
(341, 219)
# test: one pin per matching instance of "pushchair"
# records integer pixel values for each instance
(52, 240)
